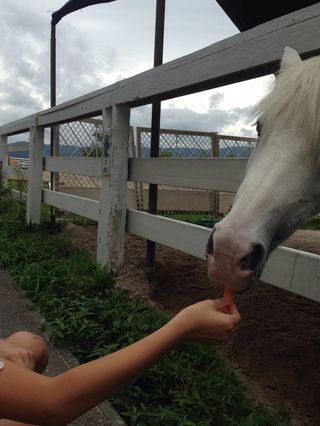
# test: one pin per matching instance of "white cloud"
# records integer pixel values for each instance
(214, 119)
(109, 42)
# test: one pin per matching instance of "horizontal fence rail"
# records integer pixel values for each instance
(16, 172)
(78, 205)
(290, 269)
(221, 174)
(18, 146)
(79, 166)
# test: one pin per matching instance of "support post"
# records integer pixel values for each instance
(139, 152)
(3, 160)
(155, 131)
(133, 155)
(113, 192)
(35, 175)
(53, 84)
(56, 153)
(215, 153)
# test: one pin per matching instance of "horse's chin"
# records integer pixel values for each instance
(240, 286)
(252, 279)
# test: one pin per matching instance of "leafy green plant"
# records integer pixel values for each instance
(313, 223)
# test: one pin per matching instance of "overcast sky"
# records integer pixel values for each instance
(108, 42)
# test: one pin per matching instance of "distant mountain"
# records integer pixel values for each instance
(230, 151)
(76, 151)
(65, 151)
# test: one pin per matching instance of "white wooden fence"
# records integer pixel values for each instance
(243, 56)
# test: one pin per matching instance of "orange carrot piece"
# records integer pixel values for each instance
(228, 297)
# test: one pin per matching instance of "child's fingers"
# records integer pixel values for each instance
(234, 313)
(219, 304)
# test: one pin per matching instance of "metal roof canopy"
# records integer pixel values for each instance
(246, 14)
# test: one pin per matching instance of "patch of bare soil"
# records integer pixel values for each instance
(277, 346)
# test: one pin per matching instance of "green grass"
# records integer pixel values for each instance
(18, 184)
(313, 224)
(80, 220)
(191, 386)
(208, 220)
(197, 219)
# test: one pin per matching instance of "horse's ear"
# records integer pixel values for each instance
(290, 57)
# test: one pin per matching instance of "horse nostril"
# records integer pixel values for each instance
(209, 247)
(254, 259)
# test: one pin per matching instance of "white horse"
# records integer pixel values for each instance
(281, 188)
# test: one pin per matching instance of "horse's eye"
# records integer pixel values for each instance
(259, 128)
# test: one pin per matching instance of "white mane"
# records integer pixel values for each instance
(294, 102)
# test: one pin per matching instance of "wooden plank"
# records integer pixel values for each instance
(16, 173)
(78, 166)
(175, 132)
(243, 56)
(113, 192)
(221, 174)
(19, 196)
(71, 203)
(104, 207)
(35, 175)
(18, 146)
(237, 138)
(19, 126)
(294, 270)
(290, 269)
(182, 236)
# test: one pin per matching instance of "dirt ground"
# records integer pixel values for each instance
(276, 348)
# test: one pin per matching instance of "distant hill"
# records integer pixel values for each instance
(75, 151)
(65, 151)
(231, 151)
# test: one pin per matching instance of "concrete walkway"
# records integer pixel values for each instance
(15, 315)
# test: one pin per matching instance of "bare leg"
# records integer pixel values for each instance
(33, 343)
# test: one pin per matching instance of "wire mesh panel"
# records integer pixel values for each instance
(182, 143)
(178, 143)
(80, 139)
(235, 146)
(85, 139)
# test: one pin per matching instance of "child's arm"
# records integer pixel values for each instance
(32, 398)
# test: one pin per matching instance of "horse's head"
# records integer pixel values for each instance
(282, 184)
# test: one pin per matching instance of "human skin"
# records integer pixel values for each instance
(25, 349)
(39, 400)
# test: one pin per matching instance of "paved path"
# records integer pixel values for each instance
(15, 315)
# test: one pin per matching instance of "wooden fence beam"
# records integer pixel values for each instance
(287, 268)
(35, 175)
(113, 192)
(71, 203)
(221, 174)
(18, 146)
(74, 165)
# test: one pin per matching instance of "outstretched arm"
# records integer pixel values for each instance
(32, 398)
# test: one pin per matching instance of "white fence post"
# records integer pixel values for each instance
(113, 192)
(35, 175)
(3, 160)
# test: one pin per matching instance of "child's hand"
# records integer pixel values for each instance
(207, 321)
